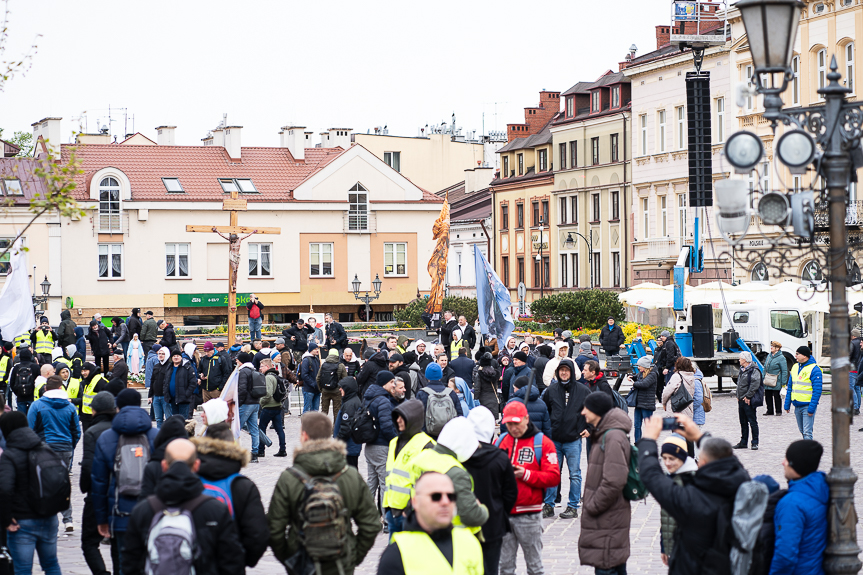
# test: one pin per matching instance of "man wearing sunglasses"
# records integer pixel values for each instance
(429, 543)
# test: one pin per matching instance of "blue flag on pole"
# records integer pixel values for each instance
(493, 300)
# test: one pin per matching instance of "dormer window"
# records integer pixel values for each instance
(569, 107)
(594, 101)
(819, 8)
(109, 205)
(173, 185)
(243, 185)
(615, 97)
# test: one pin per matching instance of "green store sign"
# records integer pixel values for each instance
(209, 299)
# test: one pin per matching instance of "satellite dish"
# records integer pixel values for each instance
(69, 303)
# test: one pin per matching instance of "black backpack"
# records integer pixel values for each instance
(25, 379)
(49, 488)
(257, 384)
(365, 427)
(330, 376)
(281, 391)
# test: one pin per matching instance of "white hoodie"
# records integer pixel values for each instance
(459, 437)
(550, 371)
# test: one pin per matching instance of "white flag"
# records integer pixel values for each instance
(16, 301)
(230, 393)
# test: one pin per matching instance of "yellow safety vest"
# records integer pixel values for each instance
(73, 387)
(400, 480)
(67, 362)
(90, 393)
(37, 392)
(44, 342)
(4, 367)
(801, 383)
(23, 338)
(431, 460)
(420, 555)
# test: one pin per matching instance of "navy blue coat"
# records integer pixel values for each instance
(309, 373)
(379, 401)
(130, 420)
(537, 410)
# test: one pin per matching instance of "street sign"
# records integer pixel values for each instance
(208, 299)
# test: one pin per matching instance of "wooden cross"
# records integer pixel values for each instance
(232, 233)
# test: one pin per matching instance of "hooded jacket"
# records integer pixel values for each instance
(323, 457)
(169, 337)
(410, 377)
(309, 369)
(440, 386)
(748, 381)
(667, 524)
(694, 507)
(565, 402)
(611, 338)
(15, 476)
(185, 382)
(341, 370)
(816, 379)
(157, 377)
(101, 423)
(134, 323)
(55, 420)
(220, 459)
(81, 341)
(495, 487)
(215, 534)
(369, 371)
(646, 386)
(604, 539)
(210, 368)
(472, 512)
(173, 428)
(539, 473)
(536, 409)
(130, 420)
(801, 526)
(351, 407)
(414, 417)
(550, 370)
(379, 401)
(511, 373)
(685, 378)
(98, 340)
(66, 330)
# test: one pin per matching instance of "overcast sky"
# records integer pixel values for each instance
(340, 63)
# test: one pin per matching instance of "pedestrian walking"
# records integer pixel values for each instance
(534, 461)
(486, 384)
(379, 401)
(429, 542)
(804, 391)
(103, 414)
(92, 383)
(248, 404)
(319, 455)
(434, 398)
(180, 492)
(565, 401)
(644, 387)
(329, 375)
(271, 409)
(149, 332)
(604, 539)
(352, 405)
(309, 368)
(776, 375)
(750, 395)
(683, 374)
(156, 394)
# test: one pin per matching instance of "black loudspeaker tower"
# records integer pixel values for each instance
(702, 344)
(700, 140)
(702, 319)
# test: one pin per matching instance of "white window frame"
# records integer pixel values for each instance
(114, 221)
(574, 270)
(660, 131)
(663, 212)
(821, 68)
(393, 248)
(764, 174)
(569, 106)
(111, 250)
(562, 211)
(645, 218)
(681, 216)
(358, 211)
(720, 120)
(12, 187)
(393, 160)
(849, 66)
(597, 269)
(542, 160)
(795, 80)
(680, 114)
(750, 101)
(175, 250)
(257, 255)
(573, 204)
(615, 97)
(321, 252)
(643, 122)
(595, 101)
(595, 207)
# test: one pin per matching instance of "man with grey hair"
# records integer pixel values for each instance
(697, 504)
(750, 394)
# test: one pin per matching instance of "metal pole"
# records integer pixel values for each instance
(841, 555)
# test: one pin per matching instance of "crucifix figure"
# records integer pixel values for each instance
(232, 233)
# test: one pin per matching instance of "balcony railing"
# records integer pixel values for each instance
(658, 249)
(853, 215)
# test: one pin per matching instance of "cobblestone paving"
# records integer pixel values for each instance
(561, 536)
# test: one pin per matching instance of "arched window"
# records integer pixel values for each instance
(795, 81)
(849, 66)
(821, 64)
(358, 214)
(109, 205)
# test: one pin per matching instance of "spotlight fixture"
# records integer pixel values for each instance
(744, 150)
(774, 209)
(732, 202)
(796, 149)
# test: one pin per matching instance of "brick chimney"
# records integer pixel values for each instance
(165, 135)
(663, 36)
(535, 118)
(232, 142)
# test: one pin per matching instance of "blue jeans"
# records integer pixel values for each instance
(249, 421)
(572, 452)
(805, 422)
(255, 327)
(311, 401)
(23, 406)
(273, 415)
(39, 535)
(855, 391)
(162, 410)
(181, 409)
(639, 416)
(619, 570)
(394, 524)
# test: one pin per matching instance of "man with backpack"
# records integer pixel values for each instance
(378, 404)
(104, 411)
(702, 508)
(179, 518)
(271, 406)
(122, 453)
(321, 482)
(23, 380)
(251, 387)
(440, 403)
(221, 460)
(34, 487)
(331, 373)
(309, 368)
(55, 420)
(352, 406)
(534, 461)
(606, 516)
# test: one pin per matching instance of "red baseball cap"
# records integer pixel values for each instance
(514, 412)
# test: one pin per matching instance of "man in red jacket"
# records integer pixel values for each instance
(534, 461)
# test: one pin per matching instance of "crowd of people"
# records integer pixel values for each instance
(464, 454)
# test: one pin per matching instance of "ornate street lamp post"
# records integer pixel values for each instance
(367, 299)
(43, 299)
(771, 28)
(570, 243)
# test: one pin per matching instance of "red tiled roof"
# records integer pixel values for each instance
(273, 171)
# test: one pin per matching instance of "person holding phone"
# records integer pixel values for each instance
(256, 316)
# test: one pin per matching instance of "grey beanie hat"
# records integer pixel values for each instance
(665, 333)
(566, 334)
(644, 362)
(585, 346)
(103, 402)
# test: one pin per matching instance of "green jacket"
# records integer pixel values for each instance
(272, 382)
(667, 523)
(149, 330)
(323, 457)
(776, 364)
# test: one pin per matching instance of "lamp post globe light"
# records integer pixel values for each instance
(837, 127)
(367, 299)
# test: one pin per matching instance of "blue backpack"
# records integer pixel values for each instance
(221, 489)
(537, 443)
